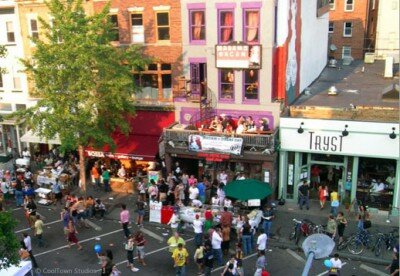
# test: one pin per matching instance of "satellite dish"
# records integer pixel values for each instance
(332, 47)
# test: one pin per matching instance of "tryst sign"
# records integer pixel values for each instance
(325, 142)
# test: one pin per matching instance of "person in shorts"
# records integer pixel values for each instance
(140, 243)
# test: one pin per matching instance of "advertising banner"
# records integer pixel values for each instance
(228, 145)
(238, 56)
(155, 211)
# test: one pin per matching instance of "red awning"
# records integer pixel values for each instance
(142, 141)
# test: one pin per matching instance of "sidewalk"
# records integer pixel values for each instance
(282, 226)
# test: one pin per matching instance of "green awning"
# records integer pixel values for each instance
(247, 189)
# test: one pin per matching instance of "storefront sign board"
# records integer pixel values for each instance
(155, 211)
(238, 56)
(228, 145)
(102, 154)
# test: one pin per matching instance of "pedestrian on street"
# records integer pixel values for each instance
(334, 270)
(226, 239)
(334, 202)
(394, 266)
(181, 259)
(100, 208)
(28, 246)
(216, 241)
(208, 260)
(56, 189)
(199, 258)
(198, 230)
(174, 222)
(268, 216)
(130, 249)
(31, 212)
(230, 267)
(239, 259)
(124, 219)
(202, 191)
(262, 241)
(341, 225)
(106, 180)
(72, 239)
(260, 264)
(39, 230)
(174, 241)
(331, 227)
(95, 176)
(65, 217)
(246, 238)
(304, 193)
(140, 243)
(19, 195)
(140, 205)
(322, 194)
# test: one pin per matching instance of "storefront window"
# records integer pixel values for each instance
(376, 182)
(8, 141)
(290, 176)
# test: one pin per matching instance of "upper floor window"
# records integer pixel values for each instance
(252, 26)
(226, 84)
(137, 28)
(347, 29)
(10, 31)
(197, 25)
(17, 83)
(331, 4)
(225, 26)
(251, 81)
(115, 29)
(34, 30)
(349, 5)
(163, 26)
(331, 27)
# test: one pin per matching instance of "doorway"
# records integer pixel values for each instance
(326, 175)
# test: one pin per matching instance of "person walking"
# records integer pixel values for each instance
(341, 225)
(199, 258)
(394, 266)
(322, 194)
(140, 205)
(230, 268)
(19, 195)
(174, 241)
(331, 227)
(95, 176)
(334, 270)
(106, 180)
(124, 219)
(130, 249)
(31, 212)
(334, 202)
(239, 259)
(304, 193)
(226, 239)
(174, 222)
(262, 241)
(56, 189)
(140, 243)
(198, 230)
(28, 246)
(72, 239)
(268, 217)
(246, 238)
(260, 264)
(216, 241)
(65, 217)
(39, 230)
(208, 260)
(181, 259)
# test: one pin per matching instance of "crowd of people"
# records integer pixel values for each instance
(227, 124)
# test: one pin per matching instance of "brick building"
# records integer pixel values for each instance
(348, 27)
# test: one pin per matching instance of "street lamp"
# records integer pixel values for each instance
(316, 246)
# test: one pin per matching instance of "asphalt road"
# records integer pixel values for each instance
(57, 259)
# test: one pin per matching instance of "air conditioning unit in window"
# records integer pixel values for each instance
(369, 58)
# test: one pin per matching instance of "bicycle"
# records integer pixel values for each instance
(363, 239)
(300, 228)
(346, 242)
(385, 241)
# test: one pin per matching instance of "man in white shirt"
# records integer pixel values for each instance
(262, 241)
(336, 265)
(26, 154)
(174, 222)
(197, 203)
(121, 172)
(198, 230)
(223, 177)
(216, 240)
(28, 246)
(193, 192)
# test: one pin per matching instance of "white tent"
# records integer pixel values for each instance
(30, 137)
(22, 269)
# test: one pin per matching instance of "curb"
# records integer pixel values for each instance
(286, 245)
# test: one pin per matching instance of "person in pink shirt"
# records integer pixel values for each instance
(125, 218)
(192, 180)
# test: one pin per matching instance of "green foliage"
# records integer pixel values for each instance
(9, 244)
(3, 54)
(84, 83)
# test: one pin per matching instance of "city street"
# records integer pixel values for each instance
(57, 259)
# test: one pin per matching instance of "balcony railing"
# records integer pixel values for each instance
(254, 142)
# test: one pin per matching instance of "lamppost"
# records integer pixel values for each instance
(316, 246)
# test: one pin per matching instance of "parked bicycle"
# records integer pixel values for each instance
(300, 228)
(385, 241)
(363, 239)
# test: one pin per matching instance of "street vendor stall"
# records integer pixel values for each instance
(44, 196)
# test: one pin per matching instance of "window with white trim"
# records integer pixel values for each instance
(137, 28)
(349, 5)
(163, 26)
(34, 29)
(332, 5)
(348, 29)
(346, 52)
(10, 32)
(331, 27)
(17, 84)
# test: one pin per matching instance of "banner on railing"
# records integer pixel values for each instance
(229, 145)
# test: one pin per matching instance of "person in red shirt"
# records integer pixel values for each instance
(226, 218)
(315, 180)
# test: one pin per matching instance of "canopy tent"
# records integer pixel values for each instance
(31, 137)
(247, 189)
(23, 268)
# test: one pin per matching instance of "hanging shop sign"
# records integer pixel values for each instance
(213, 157)
(238, 56)
(228, 145)
(102, 154)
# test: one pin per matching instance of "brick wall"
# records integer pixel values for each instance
(163, 52)
(358, 17)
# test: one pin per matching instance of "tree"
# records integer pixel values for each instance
(84, 83)
(9, 244)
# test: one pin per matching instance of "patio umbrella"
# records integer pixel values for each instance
(247, 189)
